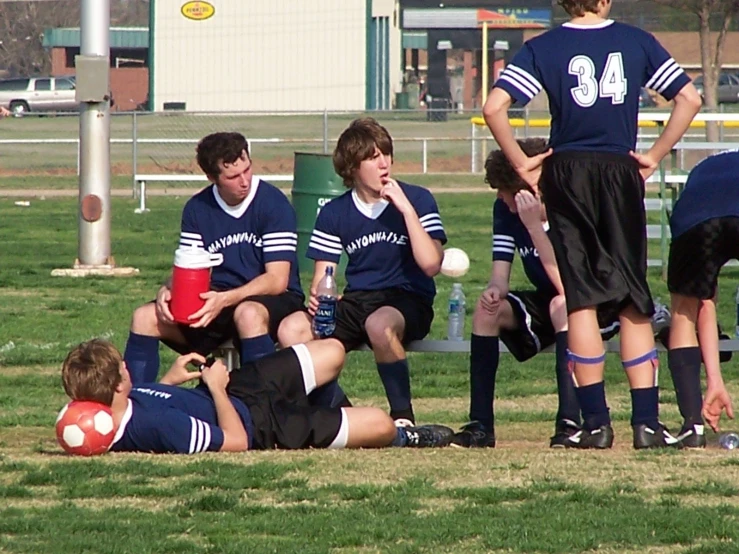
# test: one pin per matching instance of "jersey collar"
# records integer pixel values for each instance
(606, 23)
(238, 210)
(372, 211)
(127, 415)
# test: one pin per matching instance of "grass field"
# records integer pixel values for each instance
(520, 497)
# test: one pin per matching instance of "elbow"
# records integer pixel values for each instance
(235, 444)
(431, 270)
(690, 97)
(280, 283)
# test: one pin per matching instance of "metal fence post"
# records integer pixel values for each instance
(473, 151)
(325, 131)
(425, 155)
(134, 152)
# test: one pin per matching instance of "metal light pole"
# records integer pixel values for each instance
(92, 92)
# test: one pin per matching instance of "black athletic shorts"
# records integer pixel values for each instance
(355, 307)
(534, 330)
(595, 205)
(205, 340)
(697, 256)
(274, 391)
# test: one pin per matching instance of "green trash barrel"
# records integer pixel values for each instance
(315, 183)
(402, 101)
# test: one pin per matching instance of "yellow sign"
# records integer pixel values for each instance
(198, 11)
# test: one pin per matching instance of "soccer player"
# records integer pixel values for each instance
(592, 69)
(393, 236)
(705, 235)
(262, 405)
(253, 225)
(525, 320)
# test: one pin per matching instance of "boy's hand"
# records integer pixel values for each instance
(214, 304)
(179, 373)
(490, 299)
(216, 376)
(164, 296)
(528, 207)
(530, 172)
(717, 400)
(392, 192)
(647, 165)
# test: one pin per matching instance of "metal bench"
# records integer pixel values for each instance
(229, 353)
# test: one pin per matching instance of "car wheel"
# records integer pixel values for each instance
(18, 109)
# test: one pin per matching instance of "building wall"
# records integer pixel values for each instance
(391, 8)
(276, 56)
(129, 85)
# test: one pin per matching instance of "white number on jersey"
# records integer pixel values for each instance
(613, 83)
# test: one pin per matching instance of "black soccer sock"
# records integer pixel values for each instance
(142, 358)
(592, 399)
(256, 347)
(645, 406)
(569, 407)
(685, 368)
(484, 359)
(396, 379)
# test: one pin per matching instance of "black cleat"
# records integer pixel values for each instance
(646, 437)
(692, 436)
(474, 435)
(563, 430)
(600, 438)
(429, 436)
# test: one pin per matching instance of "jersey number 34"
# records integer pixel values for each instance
(612, 83)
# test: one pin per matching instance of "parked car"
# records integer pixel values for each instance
(645, 99)
(38, 94)
(728, 87)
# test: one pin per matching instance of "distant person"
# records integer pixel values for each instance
(262, 405)
(592, 69)
(393, 236)
(4, 112)
(253, 225)
(705, 235)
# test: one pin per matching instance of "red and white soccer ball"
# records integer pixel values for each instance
(85, 428)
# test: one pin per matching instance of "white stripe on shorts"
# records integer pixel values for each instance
(342, 437)
(306, 367)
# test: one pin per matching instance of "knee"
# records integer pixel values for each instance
(144, 320)
(385, 426)
(483, 321)
(380, 330)
(294, 329)
(558, 312)
(251, 315)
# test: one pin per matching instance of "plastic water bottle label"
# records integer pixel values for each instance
(455, 307)
(324, 322)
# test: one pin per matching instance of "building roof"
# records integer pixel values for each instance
(120, 37)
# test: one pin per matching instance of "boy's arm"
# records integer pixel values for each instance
(234, 435)
(687, 104)
(497, 288)
(529, 210)
(717, 398)
(495, 113)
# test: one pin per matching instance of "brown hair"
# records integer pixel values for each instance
(500, 174)
(578, 8)
(92, 371)
(220, 148)
(356, 144)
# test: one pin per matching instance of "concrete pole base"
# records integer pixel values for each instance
(103, 270)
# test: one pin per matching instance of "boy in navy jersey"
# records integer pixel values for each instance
(705, 235)
(592, 69)
(262, 405)
(393, 236)
(253, 225)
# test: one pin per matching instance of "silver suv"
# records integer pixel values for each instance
(38, 94)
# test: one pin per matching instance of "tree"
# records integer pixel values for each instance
(713, 16)
(22, 25)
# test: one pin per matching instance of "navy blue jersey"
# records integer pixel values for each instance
(168, 419)
(376, 241)
(260, 230)
(509, 235)
(592, 76)
(712, 190)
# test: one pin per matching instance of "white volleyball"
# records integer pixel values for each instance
(455, 263)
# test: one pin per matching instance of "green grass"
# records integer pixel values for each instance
(520, 497)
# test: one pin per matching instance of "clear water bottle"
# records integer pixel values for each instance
(324, 322)
(736, 332)
(457, 309)
(729, 440)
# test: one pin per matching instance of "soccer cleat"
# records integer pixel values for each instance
(600, 438)
(692, 436)
(647, 437)
(403, 422)
(474, 435)
(429, 436)
(563, 430)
